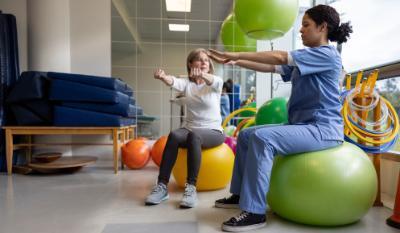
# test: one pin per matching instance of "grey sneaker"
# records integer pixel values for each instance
(157, 195)
(189, 198)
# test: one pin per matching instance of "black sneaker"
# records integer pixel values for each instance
(231, 202)
(245, 221)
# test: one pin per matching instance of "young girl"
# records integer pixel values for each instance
(201, 129)
(315, 122)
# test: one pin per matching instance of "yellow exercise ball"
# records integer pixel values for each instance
(215, 169)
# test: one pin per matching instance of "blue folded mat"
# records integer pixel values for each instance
(64, 116)
(27, 117)
(122, 109)
(41, 107)
(129, 90)
(104, 82)
(31, 85)
(71, 91)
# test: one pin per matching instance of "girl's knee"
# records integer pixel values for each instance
(193, 137)
(173, 135)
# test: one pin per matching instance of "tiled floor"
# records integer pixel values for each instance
(95, 200)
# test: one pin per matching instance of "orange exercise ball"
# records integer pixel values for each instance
(135, 154)
(158, 150)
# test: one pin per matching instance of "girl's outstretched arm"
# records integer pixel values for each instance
(161, 75)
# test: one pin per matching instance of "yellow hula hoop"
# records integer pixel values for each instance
(365, 132)
(234, 113)
(251, 121)
(368, 140)
(353, 130)
(368, 134)
(248, 122)
(349, 125)
(239, 126)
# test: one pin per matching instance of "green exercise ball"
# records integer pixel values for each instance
(331, 187)
(229, 130)
(233, 37)
(248, 113)
(274, 111)
(266, 19)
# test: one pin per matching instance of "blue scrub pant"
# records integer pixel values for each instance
(255, 153)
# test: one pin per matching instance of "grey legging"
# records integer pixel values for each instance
(194, 140)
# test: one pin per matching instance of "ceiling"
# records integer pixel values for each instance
(135, 22)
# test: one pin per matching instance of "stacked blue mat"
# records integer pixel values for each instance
(74, 100)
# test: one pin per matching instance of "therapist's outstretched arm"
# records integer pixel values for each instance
(267, 57)
(254, 66)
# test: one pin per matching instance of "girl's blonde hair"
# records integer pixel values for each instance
(195, 54)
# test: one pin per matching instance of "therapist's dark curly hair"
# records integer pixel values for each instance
(336, 31)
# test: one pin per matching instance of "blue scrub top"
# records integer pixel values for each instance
(315, 91)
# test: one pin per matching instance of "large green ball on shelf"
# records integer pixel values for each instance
(266, 19)
(234, 39)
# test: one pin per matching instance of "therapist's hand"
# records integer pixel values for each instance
(222, 57)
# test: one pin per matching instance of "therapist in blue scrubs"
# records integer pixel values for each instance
(315, 122)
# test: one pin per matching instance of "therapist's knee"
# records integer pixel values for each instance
(244, 135)
(264, 137)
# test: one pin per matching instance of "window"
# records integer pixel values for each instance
(376, 35)
(143, 42)
(390, 90)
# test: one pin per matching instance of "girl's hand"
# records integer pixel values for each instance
(159, 74)
(196, 73)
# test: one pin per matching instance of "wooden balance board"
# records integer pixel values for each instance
(64, 164)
